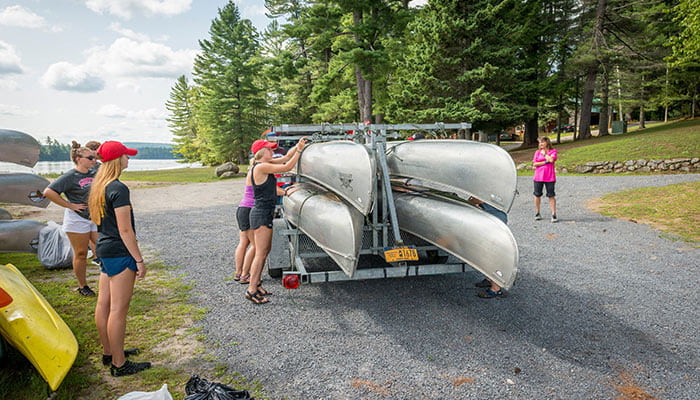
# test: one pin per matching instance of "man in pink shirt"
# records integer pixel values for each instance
(545, 175)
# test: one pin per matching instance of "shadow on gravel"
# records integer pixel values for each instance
(543, 316)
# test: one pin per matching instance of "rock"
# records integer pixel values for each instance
(564, 171)
(230, 174)
(685, 169)
(645, 169)
(618, 165)
(522, 166)
(226, 167)
(595, 163)
(695, 160)
(642, 162)
(583, 169)
(629, 163)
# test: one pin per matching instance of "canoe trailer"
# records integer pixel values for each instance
(296, 258)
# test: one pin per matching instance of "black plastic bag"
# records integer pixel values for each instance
(201, 389)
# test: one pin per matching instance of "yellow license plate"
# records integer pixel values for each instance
(403, 253)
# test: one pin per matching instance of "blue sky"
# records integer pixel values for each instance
(99, 69)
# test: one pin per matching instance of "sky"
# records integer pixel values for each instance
(100, 69)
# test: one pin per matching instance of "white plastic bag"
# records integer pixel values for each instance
(161, 394)
(54, 247)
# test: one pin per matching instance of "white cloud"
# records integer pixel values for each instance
(140, 37)
(16, 111)
(8, 84)
(72, 78)
(127, 8)
(19, 16)
(129, 85)
(127, 57)
(114, 111)
(9, 60)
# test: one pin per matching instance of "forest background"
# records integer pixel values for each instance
(493, 63)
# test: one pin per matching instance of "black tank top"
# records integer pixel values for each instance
(266, 194)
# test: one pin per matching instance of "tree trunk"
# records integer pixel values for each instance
(641, 107)
(603, 120)
(692, 106)
(364, 86)
(576, 110)
(592, 71)
(531, 131)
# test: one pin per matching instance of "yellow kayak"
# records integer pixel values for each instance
(32, 326)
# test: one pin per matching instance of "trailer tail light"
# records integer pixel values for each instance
(290, 281)
(6, 299)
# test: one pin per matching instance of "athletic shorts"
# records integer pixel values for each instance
(261, 217)
(548, 185)
(74, 223)
(243, 218)
(116, 265)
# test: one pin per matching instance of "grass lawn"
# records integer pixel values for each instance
(160, 323)
(674, 209)
(672, 140)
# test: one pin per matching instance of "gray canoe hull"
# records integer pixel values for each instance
(463, 167)
(335, 226)
(23, 188)
(470, 234)
(20, 236)
(348, 169)
(19, 148)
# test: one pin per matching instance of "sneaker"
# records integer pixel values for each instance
(129, 368)
(554, 218)
(483, 284)
(488, 294)
(538, 217)
(97, 261)
(86, 291)
(107, 359)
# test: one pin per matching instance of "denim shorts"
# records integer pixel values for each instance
(116, 265)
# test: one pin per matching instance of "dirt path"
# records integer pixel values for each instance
(150, 197)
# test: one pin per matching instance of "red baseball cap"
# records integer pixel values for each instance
(261, 144)
(111, 150)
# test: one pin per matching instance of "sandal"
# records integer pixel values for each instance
(262, 291)
(256, 297)
(483, 284)
(489, 294)
(86, 291)
(236, 277)
(244, 279)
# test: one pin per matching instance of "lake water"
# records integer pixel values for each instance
(58, 167)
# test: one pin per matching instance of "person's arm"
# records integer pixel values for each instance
(128, 236)
(269, 168)
(56, 198)
(551, 157)
(536, 163)
(286, 157)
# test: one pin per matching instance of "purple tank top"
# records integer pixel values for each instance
(248, 199)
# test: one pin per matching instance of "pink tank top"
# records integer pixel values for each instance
(248, 200)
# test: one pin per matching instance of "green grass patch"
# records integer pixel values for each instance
(673, 209)
(662, 141)
(178, 175)
(159, 323)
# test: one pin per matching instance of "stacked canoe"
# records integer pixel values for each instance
(20, 188)
(433, 181)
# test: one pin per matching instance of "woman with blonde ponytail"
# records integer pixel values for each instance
(75, 185)
(122, 261)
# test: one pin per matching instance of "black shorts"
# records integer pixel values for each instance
(261, 217)
(548, 185)
(243, 218)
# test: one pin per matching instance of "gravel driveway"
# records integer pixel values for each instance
(602, 308)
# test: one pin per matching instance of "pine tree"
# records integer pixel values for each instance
(182, 120)
(232, 108)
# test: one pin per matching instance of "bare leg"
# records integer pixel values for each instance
(263, 239)
(79, 243)
(102, 313)
(240, 254)
(250, 253)
(121, 287)
(553, 205)
(537, 204)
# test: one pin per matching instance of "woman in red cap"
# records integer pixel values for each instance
(122, 261)
(262, 178)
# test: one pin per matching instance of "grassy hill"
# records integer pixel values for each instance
(671, 140)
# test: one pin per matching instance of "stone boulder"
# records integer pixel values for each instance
(226, 167)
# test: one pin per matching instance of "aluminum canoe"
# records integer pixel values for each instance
(20, 235)
(463, 167)
(23, 188)
(469, 233)
(349, 169)
(333, 224)
(32, 326)
(19, 148)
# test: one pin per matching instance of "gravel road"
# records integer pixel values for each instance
(602, 308)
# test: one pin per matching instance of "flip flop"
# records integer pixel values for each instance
(244, 279)
(236, 277)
